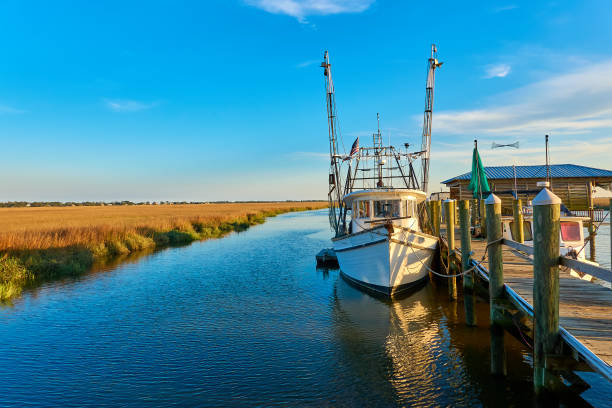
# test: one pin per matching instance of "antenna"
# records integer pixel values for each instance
(377, 151)
(515, 187)
(547, 162)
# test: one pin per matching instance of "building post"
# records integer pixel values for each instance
(483, 218)
(469, 301)
(496, 283)
(449, 212)
(519, 232)
(591, 222)
(546, 219)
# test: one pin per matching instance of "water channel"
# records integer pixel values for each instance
(248, 320)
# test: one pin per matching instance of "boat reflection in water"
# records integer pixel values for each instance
(417, 351)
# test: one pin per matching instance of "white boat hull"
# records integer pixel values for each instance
(383, 262)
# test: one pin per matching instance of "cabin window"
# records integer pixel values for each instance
(387, 208)
(363, 209)
(570, 231)
(526, 231)
(409, 208)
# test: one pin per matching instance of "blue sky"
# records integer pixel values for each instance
(215, 100)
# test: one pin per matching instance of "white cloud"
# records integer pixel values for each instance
(126, 105)
(497, 70)
(449, 160)
(571, 103)
(300, 9)
(4, 109)
(505, 8)
(307, 63)
(564, 151)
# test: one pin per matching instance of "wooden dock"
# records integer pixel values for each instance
(564, 319)
(584, 307)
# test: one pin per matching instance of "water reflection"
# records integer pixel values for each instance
(420, 351)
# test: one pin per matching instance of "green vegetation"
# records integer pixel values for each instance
(28, 267)
(19, 204)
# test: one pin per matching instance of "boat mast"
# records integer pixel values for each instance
(337, 212)
(432, 64)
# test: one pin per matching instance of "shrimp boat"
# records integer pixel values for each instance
(376, 204)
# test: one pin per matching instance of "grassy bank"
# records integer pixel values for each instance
(37, 244)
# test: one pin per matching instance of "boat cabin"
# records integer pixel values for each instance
(371, 208)
(571, 232)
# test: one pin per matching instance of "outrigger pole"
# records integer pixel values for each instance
(432, 64)
(337, 209)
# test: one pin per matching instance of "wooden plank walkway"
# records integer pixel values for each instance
(585, 308)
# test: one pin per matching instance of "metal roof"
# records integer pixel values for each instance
(529, 172)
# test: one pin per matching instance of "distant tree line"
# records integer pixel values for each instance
(9, 204)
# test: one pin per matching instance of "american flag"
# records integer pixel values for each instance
(354, 149)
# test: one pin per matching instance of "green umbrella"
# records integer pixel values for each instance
(478, 183)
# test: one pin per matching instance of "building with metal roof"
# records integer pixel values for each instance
(570, 182)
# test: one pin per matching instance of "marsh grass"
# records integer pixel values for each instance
(38, 244)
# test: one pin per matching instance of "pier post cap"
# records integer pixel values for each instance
(546, 197)
(448, 200)
(492, 199)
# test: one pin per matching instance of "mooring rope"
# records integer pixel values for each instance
(409, 244)
(588, 239)
(521, 332)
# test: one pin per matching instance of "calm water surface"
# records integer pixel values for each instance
(247, 321)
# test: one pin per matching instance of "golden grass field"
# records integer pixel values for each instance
(38, 243)
(56, 227)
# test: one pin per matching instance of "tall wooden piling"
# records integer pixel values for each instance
(546, 218)
(519, 232)
(435, 210)
(456, 214)
(469, 300)
(449, 212)
(474, 212)
(483, 218)
(496, 283)
(428, 223)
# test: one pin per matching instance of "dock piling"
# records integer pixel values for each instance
(435, 210)
(483, 219)
(591, 222)
(496, 283)
(546, 218)
(449, 212)
(474, 212)
(519, 232)
(469, 300)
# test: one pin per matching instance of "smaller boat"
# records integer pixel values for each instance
(571, 237)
